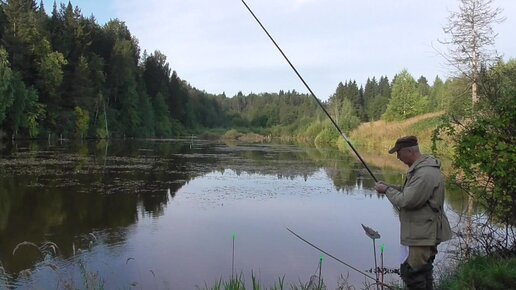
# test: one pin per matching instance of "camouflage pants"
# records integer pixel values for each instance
(416, 271)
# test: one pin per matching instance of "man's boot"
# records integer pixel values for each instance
(429, 280)
(417, 279)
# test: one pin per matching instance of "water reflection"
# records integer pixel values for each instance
(75, 193)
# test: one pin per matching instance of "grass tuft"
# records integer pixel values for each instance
(482, 273)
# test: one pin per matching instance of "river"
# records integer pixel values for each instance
(182, 214)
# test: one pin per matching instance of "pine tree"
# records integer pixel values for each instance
(371, 90)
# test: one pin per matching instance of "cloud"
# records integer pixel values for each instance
(218, 46)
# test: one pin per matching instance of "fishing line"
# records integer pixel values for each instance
(339, 260)
(312, 93)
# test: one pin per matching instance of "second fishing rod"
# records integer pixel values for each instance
(312, 93)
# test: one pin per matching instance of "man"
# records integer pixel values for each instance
(420, 203)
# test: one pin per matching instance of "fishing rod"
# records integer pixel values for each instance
(312, 93)
(339, 260)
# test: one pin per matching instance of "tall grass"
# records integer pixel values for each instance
(482, 273)
(238, 283)
(49, 252)
(381, 135)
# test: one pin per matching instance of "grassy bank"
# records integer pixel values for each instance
(482, 273)
(380, 135)
(372, 139)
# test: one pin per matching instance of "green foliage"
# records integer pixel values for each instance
(25, 111)
(348, 119)
(437, 100)
(161, 116)
(65, 61)
(312, 131)
(232, 135)
(485, 154)
(6, 90)
(34, 114)
(377, 104)
(486, 146)
(327, 137)
(353, 95)
(458, 99)
(50, 73)
(482, 273)
(101, 133)
(423, 87)
(82, 120)
(406, 99)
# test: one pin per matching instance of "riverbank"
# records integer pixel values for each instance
(371, 139)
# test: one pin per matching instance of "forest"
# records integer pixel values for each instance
(65, 76)
(62, 75)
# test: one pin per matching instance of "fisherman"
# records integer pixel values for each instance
(420, 202)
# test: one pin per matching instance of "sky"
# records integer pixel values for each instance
(218, 47)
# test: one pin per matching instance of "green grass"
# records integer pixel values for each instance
(238, 283)
(482, 273)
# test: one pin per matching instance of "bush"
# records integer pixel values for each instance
(232, 134)
(327, 137)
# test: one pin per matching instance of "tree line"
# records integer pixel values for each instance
(63, 74)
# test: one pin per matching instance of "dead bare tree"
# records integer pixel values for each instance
(471, 39)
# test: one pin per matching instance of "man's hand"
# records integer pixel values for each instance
(380, 187)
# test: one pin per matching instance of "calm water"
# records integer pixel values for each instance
(162, 215)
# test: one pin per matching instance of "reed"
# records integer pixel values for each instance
(49, 251)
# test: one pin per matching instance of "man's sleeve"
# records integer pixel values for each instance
(415, 193)
(397, 187)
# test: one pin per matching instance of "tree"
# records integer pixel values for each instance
(162, 117)
(156, 74)
(80, 91)
(349, 120)
(370, 92)
(82, 120)
(6, 90)
(22, 36)
(377, 106)
(356, 96)
(438, 99)
(335, 101)
(485, 154)
(406, 101)
(423, 86)
(50, 74)
(471, 38)
(25, 111)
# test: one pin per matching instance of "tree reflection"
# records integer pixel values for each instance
(64, 193)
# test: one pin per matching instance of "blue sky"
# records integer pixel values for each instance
(217, 46)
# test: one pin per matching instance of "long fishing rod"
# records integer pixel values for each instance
(312, 93)
(339, 260)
